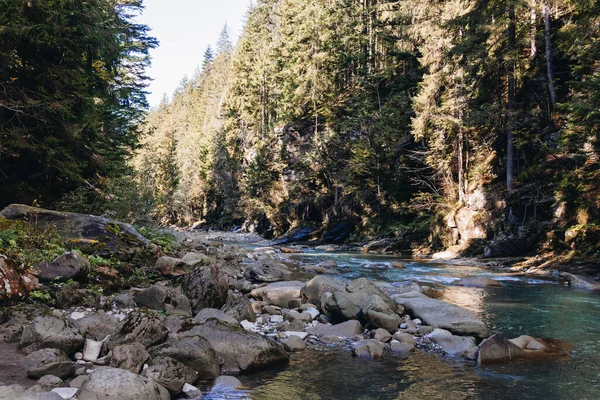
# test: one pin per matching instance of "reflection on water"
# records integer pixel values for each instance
(521, 306)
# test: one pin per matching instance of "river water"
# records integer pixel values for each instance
(523, 305)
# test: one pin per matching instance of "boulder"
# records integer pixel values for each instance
(389, 322)
(343, 306)
(226, 382)
(369, 348)
(401, 347)
(51, 331)
(194, 259)
(47, 361)
(194, 352)
(313, 290)
(124, 300)
(364, 286)
(100, 235)
(167, 372)
(405, 338)
(266, 271)
(294, 343)
(240, 350)
(528, 343)
(206, 287)
(14, 392)
(129, 356)
(207, 313)
(282, 294)
(69, 265)
(143, 327)
(347, 329)
(49, 382)
(398, 265)
(169, 266)
(478, 281)
(457, 346)
(497, 349)
(169, 300)
(97, 325)
(382, 335)
(581, 282)
(444, 315)
(15, 284)
(239, 307)
(107, 383)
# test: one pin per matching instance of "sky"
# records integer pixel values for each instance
(185, 28)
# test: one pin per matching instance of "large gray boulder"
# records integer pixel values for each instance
(14, 392)
(364, 286)
(167, 299)
(47, 362)
(51, 331)
(142, 327)
(129, 356)
(97, 325)
(497, 349)
(167, 372)
(342, 306)
(69, 265)
(441, 314)
(239, 307)
(266, 271)
(388, 321)
(207, 313)
(240, 350)
(194, 352)
(99, 235)
(282, 294)
(206, 287)
(107, 383)
(313, 291)
(457, 346)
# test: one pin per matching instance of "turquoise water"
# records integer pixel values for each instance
(537, 307)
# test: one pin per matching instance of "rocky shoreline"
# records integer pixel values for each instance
(216, 310)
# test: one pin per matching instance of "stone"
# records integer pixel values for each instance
(478, 281)
(194, 259)
(14, 392)
(444, 315)
(398, 265)
(580, 281)
(497, 349)
(167, 372)
(369, 348)
(69, 265)
(78, 381)
(206, 287)
(191, 392)
(143, 327)
(169, 266)
(282, 294)
(107, 383)
(456, 346)
(382, 335)
(528, 343)
(169, 300)
(194, 352)
(401, 347)
(347, 329)
(388, 322)
(49, 382)
(266, 271)
(51, 331)
(226, 382)
(102, 236)
(65, 393)
(343, 306)
(425, 330)
(364, 286)
(14, 284)
(130, 356)
(124, 300)
(294, 343)
(207, 313)
(313, 290)
(97, 325)
(240, 350)
(296, 316)
(238, 306)
(47, 361)
(301, 335)
(405, 338)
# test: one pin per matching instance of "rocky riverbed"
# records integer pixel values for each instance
(217, 310)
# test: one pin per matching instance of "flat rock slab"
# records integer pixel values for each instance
(347, 329)
(580, 281)
(280, 293)
(444, 315)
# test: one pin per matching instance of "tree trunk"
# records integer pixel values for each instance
(548, 33)
(533, 29)
(511, 97)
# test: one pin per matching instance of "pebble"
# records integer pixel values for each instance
(77, 315)
(65, 393)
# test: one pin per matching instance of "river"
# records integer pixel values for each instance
(523, 305)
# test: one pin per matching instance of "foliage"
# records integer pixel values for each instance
(28, 243)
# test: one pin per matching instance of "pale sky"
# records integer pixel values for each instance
(185, 28)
